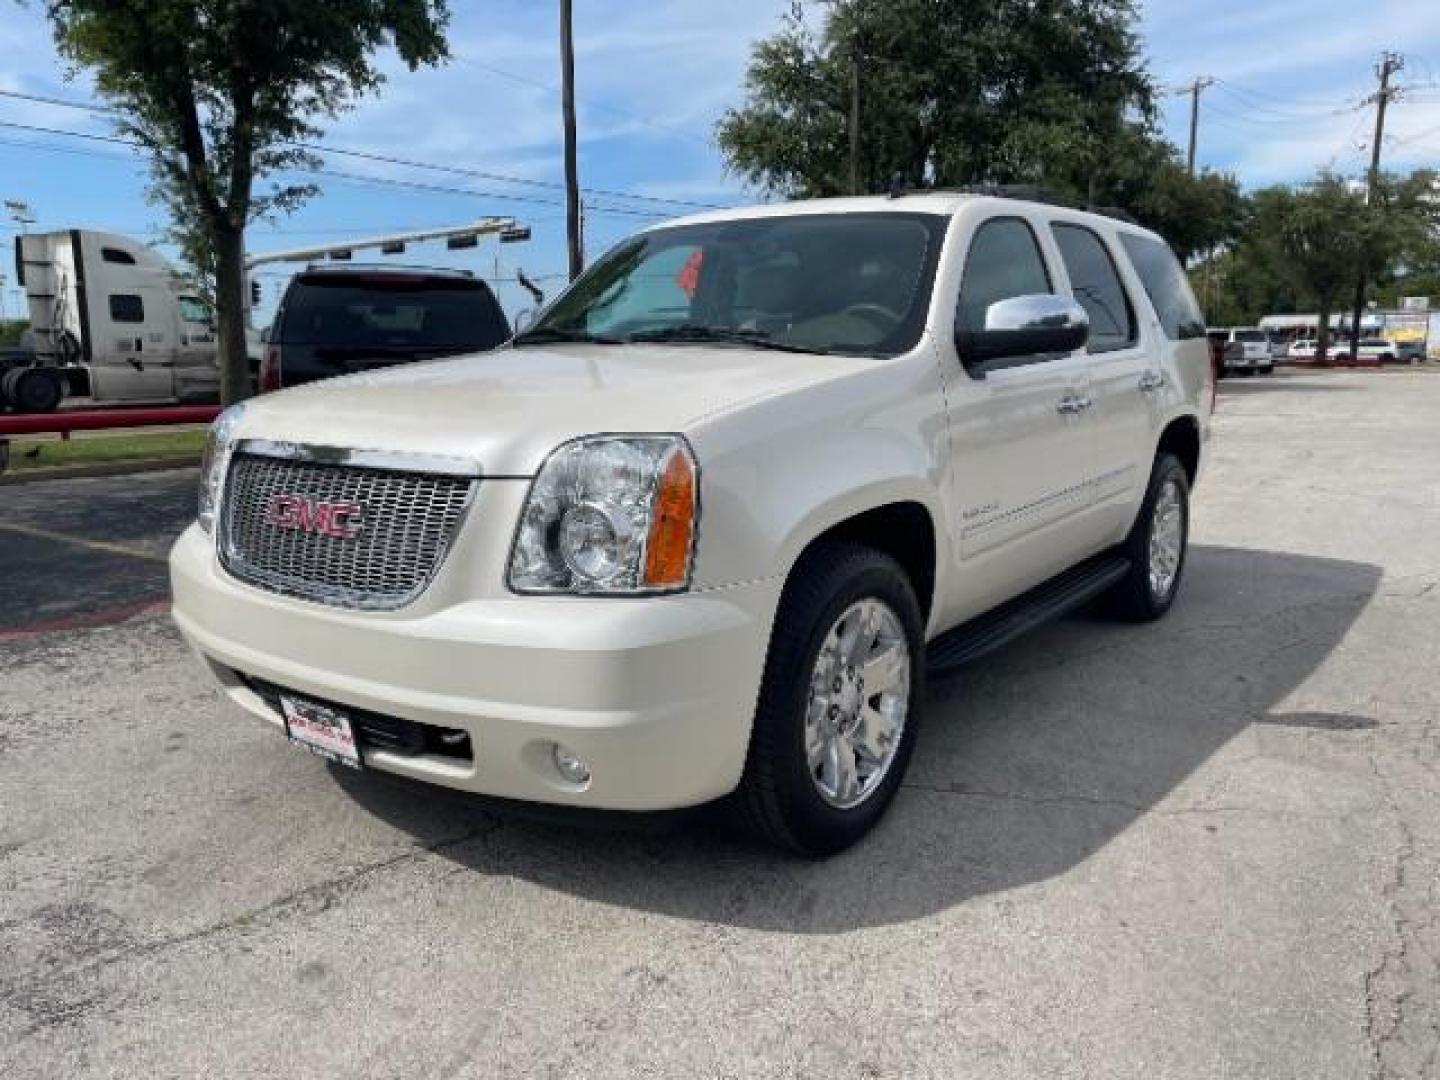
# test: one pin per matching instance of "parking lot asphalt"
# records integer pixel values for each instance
(1204, 848)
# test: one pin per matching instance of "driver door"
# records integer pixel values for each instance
(1022, 442)
(197, 367)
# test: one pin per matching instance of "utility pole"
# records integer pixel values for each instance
(1201, 83)
(855, 58)
(1390, 64)
(572, 185)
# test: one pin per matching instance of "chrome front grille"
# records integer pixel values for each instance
(279, 530)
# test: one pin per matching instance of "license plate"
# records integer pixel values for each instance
(320, 729)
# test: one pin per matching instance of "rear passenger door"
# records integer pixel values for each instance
(1122, 370)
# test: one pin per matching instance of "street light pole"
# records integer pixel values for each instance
(572, 185)
(1194, 89)
(1390, 64)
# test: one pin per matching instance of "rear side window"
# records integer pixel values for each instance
(115, 255)
(1166, 285)
(1097, 287)
(393, 312)
(1004, 262)
(126, 307)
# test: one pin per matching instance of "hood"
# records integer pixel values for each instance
(510, 408)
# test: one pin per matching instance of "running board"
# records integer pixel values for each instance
(1002, 625)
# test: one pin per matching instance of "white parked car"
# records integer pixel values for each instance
(1303, 349)
(701, 530)
(1375, 348)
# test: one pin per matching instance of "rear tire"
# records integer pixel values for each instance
(788, 795)
(1156, 546)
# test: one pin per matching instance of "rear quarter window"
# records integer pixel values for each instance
(1166, 285)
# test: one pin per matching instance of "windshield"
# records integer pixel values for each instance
(1249, 335)
(395, 313)
(842, 283)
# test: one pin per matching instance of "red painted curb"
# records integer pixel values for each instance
(103, 419)
(86, 620)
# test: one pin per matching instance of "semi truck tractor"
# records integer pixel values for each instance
(110, 320)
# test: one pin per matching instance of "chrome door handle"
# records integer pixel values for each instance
(1073, 403)
(1151, 381)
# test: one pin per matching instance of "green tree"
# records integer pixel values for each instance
(1044, 92)
(222, 93)
(10, 331)
(1301, 247)
(1401, 230)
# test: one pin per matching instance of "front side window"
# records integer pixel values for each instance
(194, 311)
(1166, 285)
(1097, 288)
(115, 255)
(127, 308)
(1004, 262)
(854, 284)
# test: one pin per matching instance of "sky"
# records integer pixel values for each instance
(651, 81)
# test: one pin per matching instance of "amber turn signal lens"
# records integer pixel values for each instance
(672, 524)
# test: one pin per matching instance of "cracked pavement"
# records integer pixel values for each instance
(1204, 848)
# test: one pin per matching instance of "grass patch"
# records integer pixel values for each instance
(26, 454)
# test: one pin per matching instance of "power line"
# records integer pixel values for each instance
(410, 163)
(1290, 105)
(441, 189)
(355, 177)
(1270, 122)
(550, 88)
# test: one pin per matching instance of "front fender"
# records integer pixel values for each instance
(777, 474)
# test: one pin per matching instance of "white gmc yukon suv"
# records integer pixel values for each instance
(699, 532)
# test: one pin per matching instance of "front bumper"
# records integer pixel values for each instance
(657, 694)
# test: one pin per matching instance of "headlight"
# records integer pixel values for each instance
(216, 464)
(609, 514)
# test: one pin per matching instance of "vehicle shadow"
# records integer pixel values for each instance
(1030, 761)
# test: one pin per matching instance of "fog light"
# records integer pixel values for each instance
(571, 765)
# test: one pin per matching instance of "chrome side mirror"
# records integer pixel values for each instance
(1022, 329)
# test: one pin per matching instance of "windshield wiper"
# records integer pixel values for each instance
(759, 339)
(548, 334)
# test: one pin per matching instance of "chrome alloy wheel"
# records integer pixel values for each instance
(859, 698)
(1167, 539)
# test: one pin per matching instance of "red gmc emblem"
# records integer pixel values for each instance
(339, 520)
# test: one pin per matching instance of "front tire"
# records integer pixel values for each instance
(37, 390)
(1156, 546)
(836, 720)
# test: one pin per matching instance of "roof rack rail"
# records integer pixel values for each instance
(1025, 192)
(345, 267)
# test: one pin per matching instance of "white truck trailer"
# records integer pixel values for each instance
(110, 320)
